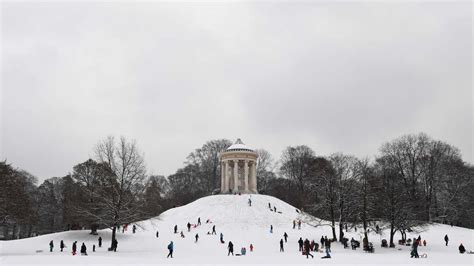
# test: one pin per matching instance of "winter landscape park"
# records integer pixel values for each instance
(252, 132)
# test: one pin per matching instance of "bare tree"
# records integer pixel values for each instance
(121, 182)
(345, 174)
(265, 169)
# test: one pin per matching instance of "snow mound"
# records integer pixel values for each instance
(240, 223)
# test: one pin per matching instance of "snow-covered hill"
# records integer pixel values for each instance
(240, 224)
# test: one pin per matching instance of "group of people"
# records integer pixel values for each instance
(83, 246)
(297, 222)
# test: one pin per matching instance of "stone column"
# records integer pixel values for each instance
(254, 177)
(226, 176)
(236, 175)
(246, 175)
(222, 178)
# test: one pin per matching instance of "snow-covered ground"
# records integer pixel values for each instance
(240, 224)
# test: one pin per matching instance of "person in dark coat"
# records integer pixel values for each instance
(281, 246)
(322, 242)
(170, 250)
(134, 228)
(83, 249)
(197, 237)
(327, 243)
(462, 249)
(176, 229)
(100, 242)
(300, 244)
(222, 238)
(51, 246)
(307, 248)
(74, 248)
(271, 229)
(199, 221)
(93, 248)
(299, 224)
(414, 250)
(285, 235)
(230, 247)
(189, 226)
(446, 239)
(214, 230)
(294, 224)
(157, 234)
(61, 245)
(114, 245)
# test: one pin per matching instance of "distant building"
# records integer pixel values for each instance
(238, 169)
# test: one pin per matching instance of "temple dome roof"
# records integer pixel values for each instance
(239, 146)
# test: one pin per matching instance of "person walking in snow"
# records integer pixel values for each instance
(134, 228)
(61, 245)
(182, 235)
(327, 243)
(175, 228)
(189, 226)
(230, 247)
(199, 221)
(269, 206)
(300, 244)
(285, 235)
(446, 239)
(51, 246)
(83, 249)
(294, 224)
(214, 230)
(307, 249)
(197, 237)
(299, 224)
(322, 241)
(157, 234)
(170, 250)
(222, 238)
(271, 229)
(100, 242)
(251, 247)
(250, 202)
(74, 248)
(281, 245)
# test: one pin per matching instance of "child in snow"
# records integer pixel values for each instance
(83, 249)
(462, 249)
(74, 248)
(182, 235)
(100, 241)
(62, 246)
(51, 246)
(251, 248)
(230, 247)
(222, 238)
(243, 251)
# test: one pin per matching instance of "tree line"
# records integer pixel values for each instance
(413, 180)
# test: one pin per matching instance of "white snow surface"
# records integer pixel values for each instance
(240, 224)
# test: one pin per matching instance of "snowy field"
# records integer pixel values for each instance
(240, 224)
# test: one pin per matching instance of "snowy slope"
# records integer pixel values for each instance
(240, 224)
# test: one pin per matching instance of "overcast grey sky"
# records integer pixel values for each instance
(339, 77)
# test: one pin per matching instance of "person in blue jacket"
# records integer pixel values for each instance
(170, 249)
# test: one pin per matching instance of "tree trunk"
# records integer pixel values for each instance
(392, 233)
(114, 229)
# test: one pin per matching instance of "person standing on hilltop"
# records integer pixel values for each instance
(446, 239)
